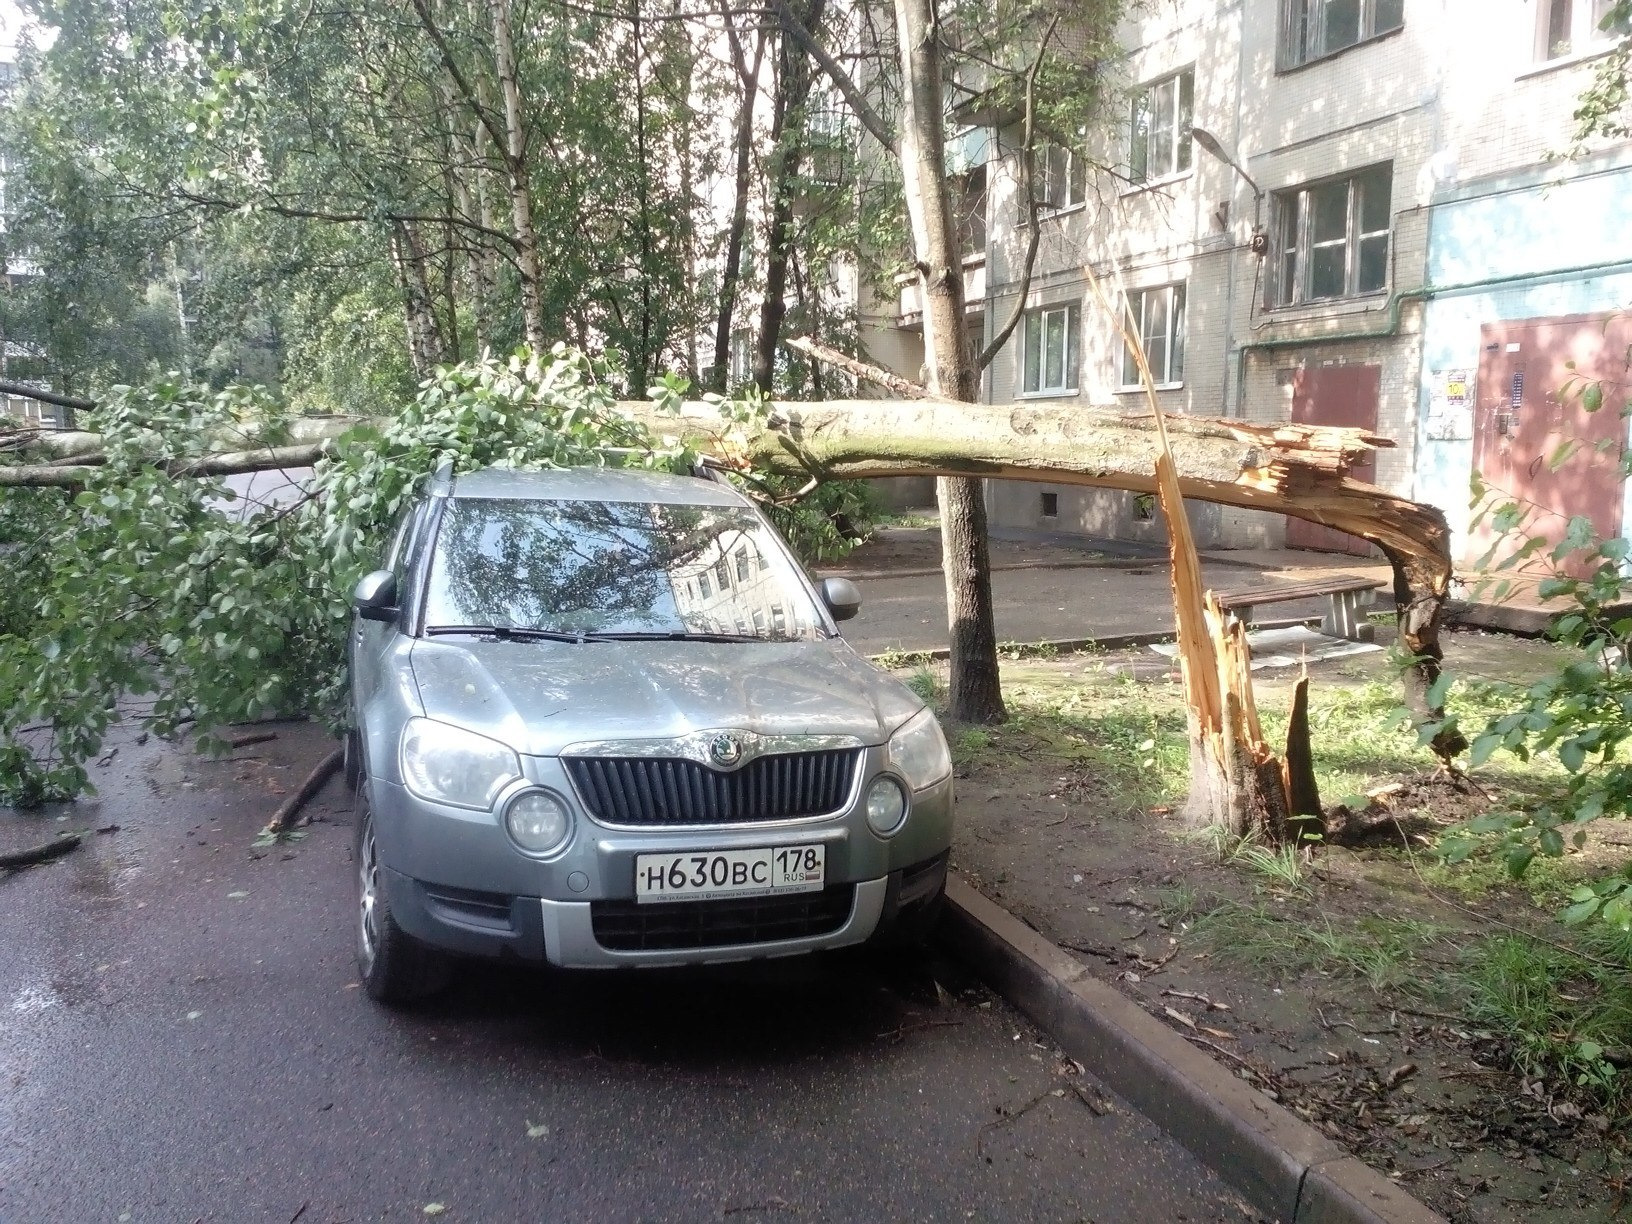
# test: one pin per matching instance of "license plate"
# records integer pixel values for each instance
(729, 873)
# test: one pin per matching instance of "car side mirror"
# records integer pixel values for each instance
(841, 597)
(375, 596)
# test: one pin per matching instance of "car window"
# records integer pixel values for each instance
(615, 567)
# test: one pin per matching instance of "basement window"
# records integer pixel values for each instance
(1050, 505)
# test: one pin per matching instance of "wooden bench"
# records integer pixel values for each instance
(1347, 596)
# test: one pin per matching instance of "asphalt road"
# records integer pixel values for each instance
(181, 1040)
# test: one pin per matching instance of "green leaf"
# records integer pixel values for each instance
(1578, 913)
(1592, 398)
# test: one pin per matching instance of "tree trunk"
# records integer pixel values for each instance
(515, 164)
(425, 349)
(792, 91)
(719, 373)
(1296, 470)
(975, 692)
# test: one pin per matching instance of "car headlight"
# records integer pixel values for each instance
(538, 822)
(448, 764)
(919, 751)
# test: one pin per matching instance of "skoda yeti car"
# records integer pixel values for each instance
(604, 719)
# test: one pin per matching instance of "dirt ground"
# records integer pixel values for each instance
(1339, 985)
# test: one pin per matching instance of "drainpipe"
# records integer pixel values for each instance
(1396, 300)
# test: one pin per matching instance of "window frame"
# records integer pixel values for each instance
(1293, 211)
(1584, 37)
(1070, 358)
(1173, 294)
(1074, 172)
(1180, 155)
(1300, 36)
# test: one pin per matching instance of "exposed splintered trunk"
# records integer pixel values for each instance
(975, 694)
(515, 164)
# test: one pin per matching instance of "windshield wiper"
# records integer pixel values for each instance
(507, 633)
(678, 635)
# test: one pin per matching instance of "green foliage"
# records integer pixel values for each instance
(1578, 719)
(169, 600)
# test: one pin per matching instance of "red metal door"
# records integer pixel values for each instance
(1343, 395)
(1533, 441)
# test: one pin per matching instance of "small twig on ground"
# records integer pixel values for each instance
(1110, 954)
(300, 1211)
(1196, 998)
(1013, 1114)
(40, 854)
(283, 819)
(901, 1030)
(245, 738)
(1229, 1054)
(1398, 1076)
(1097, 1105)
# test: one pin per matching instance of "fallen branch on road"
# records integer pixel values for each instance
(40, 854)
(284, 818)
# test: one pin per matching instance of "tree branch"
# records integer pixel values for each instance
(1028, 176)
(24, 391)
(315, 214)
(857, 101)
(472, 99)
(903, 387)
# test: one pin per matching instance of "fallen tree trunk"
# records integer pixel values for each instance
(1296, 470)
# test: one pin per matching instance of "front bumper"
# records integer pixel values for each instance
(455, 881)
(576, 934)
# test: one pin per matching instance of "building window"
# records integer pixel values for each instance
(1050, 505)
(1050, 358)
(1568, 27)
(1059, 178)
(1156, 316)
(744, 566)
(1159, 144)
(1331, 238)
(1312, 29)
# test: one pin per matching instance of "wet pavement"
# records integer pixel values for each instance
(181, 1040)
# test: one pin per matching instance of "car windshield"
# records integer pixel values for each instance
(595, 568)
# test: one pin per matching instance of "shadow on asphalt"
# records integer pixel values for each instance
(763, 1013)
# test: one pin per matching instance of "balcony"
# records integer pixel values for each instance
(911, 313)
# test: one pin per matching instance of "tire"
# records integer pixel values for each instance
(352, 762)
(395, 968)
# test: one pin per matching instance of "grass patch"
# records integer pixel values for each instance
(1382, 952)
(1563, 1015)
(927, 684)
(897, 660)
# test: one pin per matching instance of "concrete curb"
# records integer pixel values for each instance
(1277, 1161)
(1113, 641)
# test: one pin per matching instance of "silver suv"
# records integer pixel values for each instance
(603, 718)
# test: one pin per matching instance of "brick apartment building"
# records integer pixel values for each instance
(1334, 211)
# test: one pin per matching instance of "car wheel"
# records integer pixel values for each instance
(394, 967)
(352, 760)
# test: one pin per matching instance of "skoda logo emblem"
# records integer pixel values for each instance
(725, 749)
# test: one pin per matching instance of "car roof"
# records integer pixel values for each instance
(596, 484)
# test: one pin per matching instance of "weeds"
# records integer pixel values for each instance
(896, 660)
(1562, 1015)
(927, 685)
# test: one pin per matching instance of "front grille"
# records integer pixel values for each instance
(627, 926)
(674, 791)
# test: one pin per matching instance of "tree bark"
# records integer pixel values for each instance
(975, 693)
(425, 348)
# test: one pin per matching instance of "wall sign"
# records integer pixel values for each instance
(1450, 405)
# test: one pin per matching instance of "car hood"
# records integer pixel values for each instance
(540, 697)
